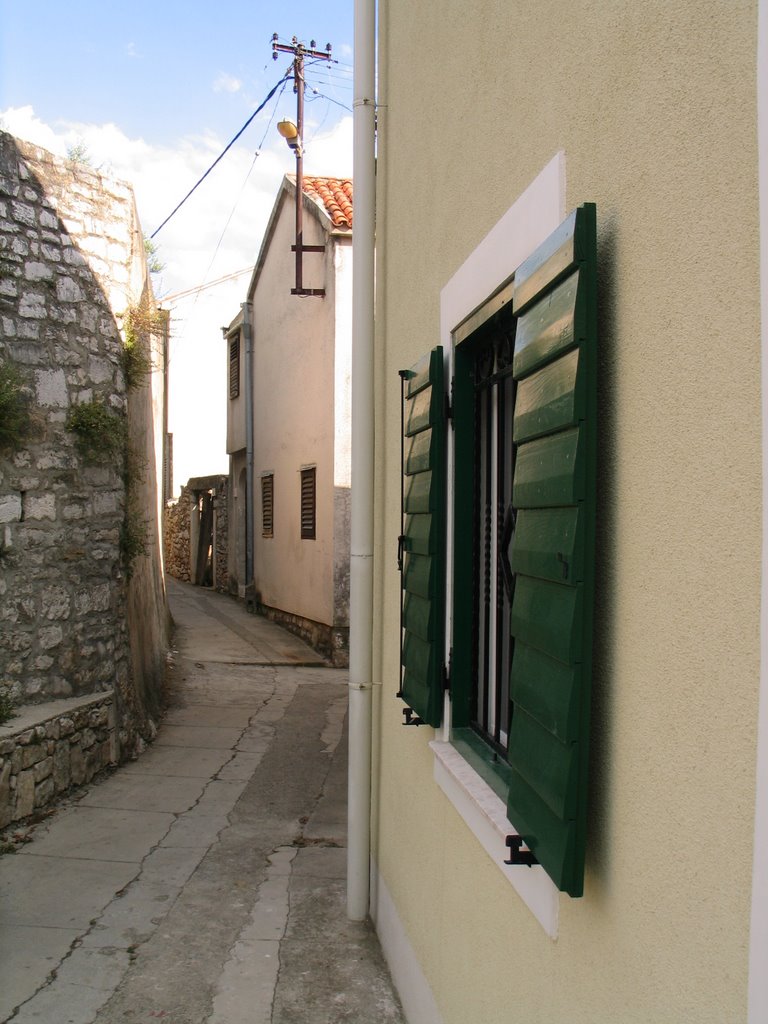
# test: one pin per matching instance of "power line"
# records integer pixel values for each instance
(202, 287)
(226, 149)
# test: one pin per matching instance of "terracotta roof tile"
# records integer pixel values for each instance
(335, 195)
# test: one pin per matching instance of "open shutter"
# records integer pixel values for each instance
(552, 550)
(423, 537)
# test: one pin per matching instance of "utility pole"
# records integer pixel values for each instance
(294, 136)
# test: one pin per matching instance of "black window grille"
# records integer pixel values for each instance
(234, 366)
(308, 503)
(267, 505)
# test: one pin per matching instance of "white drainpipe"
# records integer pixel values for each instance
(361, 551)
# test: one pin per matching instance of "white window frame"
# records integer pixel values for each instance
(527, 223)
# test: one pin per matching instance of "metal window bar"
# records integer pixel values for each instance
(494, 518)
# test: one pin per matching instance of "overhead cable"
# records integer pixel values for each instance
(229, 145)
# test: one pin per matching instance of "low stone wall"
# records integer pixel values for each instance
(332, 642)
(48, 748)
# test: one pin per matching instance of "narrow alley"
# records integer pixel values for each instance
(203, 883)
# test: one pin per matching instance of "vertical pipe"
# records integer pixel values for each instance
(249, 509)
(361, 551)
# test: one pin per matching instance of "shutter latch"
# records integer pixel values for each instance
(411, 718)
(518, 855)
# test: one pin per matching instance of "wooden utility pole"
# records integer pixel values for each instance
(296, 142)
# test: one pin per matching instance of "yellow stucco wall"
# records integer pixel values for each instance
(654, 105)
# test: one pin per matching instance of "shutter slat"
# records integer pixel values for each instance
(549, 543)
(418, 452)
(549, 400)
(421, 535)
(419, 616)
(550, 471)
(421, 493)
(419, 575)
(546, 265)
(548, 616)
(548, 690)
(418, 412)
(554, 842)
(547, 765)
(550, 327)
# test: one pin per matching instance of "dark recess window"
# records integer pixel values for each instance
(267, 505)
(234, 366)
(308, 503)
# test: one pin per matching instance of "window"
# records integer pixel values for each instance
(523, 443)
(267, 505)
(308, 503)
(234, 366)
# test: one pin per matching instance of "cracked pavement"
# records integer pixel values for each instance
(203, 883)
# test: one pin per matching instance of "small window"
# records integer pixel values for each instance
(308, 503)
(234, 366)
(267, 505)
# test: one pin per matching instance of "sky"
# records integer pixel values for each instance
(153, 99)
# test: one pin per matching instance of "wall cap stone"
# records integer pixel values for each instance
(29, 716)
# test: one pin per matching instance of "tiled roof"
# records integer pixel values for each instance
(335, 195)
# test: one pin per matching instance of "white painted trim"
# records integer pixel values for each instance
(527, 223)
(416, 996)
(758, 940)
(486, 816)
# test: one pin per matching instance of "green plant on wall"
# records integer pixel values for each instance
(14, 408)
(138, 323)
(100, 435)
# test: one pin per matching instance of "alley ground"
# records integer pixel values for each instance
(204, 882)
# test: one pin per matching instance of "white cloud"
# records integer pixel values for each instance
(227, 83)
(131, 51)
(161, 175)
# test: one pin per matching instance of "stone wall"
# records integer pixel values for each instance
(72, 265)
(43, 756)
(176, 537)
(177, 530)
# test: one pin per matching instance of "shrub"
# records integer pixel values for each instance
(100, 435)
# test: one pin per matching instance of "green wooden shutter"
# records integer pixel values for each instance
(552, 551)
(423, 541)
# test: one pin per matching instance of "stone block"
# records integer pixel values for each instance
(23, 213)
(31, 755)
(7, 746)
(76, 765)
(48, 220)
(44, 792)
(16, 758)
(34, 271)
(53, 729)
(51, 388)
(10, 508)
(43, 769)
(66, 726)
(32, 306)
(25, 795)
(68, 290)
(98, 717)
(40, 506)
(5, 793)
(50, 637)
(61, 776)
(87, 739)
(55, 603)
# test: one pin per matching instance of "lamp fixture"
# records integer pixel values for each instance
(289, 132)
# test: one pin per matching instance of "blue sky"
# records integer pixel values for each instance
(152, 67)
(154, 92)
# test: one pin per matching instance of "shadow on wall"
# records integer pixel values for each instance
(82, 603)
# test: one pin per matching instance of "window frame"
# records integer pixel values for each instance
(469, 778)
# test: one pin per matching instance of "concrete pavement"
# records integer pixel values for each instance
(204, 882)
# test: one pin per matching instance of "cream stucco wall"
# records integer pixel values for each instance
(654, 106)
(294, 342)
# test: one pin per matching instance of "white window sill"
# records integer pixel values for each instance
(486, 817)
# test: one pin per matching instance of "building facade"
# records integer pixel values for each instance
(288, 432)
(625, 758)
